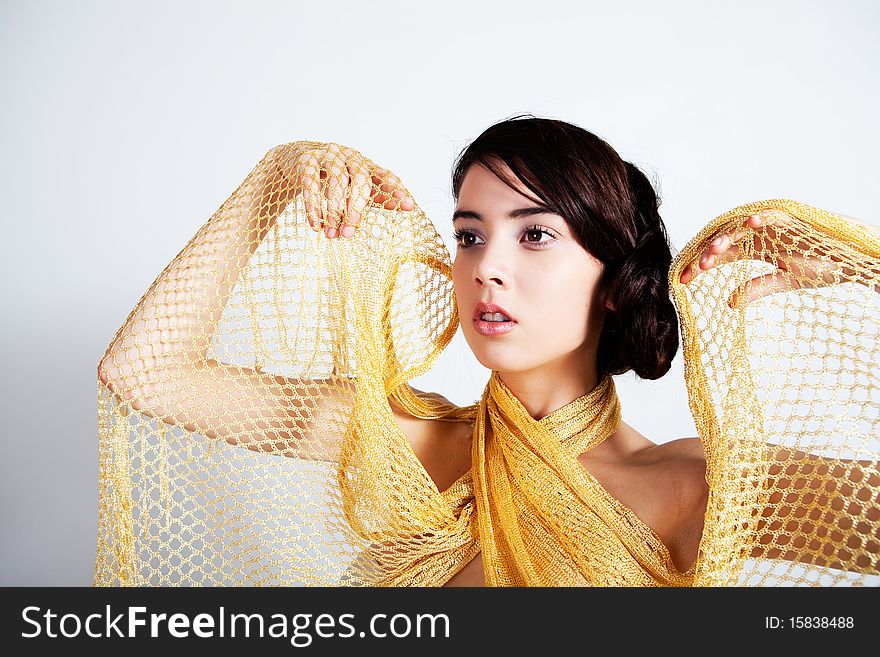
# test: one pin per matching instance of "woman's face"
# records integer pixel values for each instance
(530, 265)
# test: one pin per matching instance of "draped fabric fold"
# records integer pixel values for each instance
(246, 414)
(531, 508)
(544, 520)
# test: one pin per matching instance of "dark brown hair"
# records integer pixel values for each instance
(613, 210)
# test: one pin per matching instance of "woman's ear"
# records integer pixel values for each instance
(605, 290)
(604, 296)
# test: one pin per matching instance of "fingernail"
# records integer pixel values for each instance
(716, 241)
(347, 230)
(328, 231)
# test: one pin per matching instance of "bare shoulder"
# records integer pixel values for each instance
(680, 465)
(416, 430)
(680, 449)
(629, 445)
(663, 484)
(681, 462)
(679, 468)
(442, 447)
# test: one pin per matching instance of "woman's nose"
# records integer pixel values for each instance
(490, 269)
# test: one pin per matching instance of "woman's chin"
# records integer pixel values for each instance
(494, 353)
(495, 361)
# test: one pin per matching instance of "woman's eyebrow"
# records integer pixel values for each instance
(513, 214)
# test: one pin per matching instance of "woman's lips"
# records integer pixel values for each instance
(490, 329)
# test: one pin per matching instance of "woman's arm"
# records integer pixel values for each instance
(818, 510)
(158, 360)
(821, 511)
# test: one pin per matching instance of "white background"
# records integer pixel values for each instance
(126, 124)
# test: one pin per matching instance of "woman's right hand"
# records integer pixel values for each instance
(338, 183)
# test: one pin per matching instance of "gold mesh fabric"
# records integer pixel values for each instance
(783, 389)
(247, 425)
(543, 519)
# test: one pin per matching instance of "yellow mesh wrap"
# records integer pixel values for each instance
(246, 410)
(784, 394)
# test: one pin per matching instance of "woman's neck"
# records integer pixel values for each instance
(550, 387)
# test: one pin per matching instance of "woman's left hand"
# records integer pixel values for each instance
(796, 269)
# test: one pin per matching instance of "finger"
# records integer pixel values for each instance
(360, 195)
(756, 288)
(747, 228)
(716, 247)
(725, 242)
(771, 283)
(755, 220)
(390, 192)
(725, 251)
(719, 251)
(406, 202)
(337, 193)
(310, 179)
(687, 275)
(695, 269)
(724, 248)
(822, 272)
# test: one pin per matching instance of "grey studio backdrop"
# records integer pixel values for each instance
(125, 125)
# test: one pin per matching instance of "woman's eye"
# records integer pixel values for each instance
(533, 236)
(466, 237)
(462, 238)
(537, 234)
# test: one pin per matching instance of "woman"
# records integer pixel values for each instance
(561, 279)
